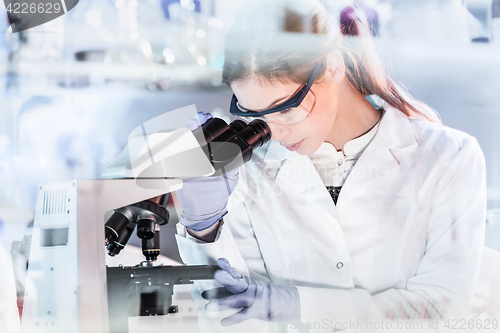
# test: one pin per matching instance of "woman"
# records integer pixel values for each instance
(358, 215)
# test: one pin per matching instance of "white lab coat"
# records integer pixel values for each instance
(404, 241)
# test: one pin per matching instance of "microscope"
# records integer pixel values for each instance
(70, 288)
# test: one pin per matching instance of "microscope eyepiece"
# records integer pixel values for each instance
(237, 125)
(256, 134)
(230, 146)
(226, 146)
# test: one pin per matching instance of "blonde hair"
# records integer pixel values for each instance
(282, 40)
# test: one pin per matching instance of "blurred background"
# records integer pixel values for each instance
(72, 90)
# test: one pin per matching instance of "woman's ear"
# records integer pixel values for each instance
(335, 67)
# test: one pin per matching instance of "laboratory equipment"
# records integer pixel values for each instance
(71, 289)
(69, 282)
(148, 215)
(482, 10)
(230, 146)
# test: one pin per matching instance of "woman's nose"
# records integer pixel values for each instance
(278, 131)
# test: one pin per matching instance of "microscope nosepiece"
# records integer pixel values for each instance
(117, 223)
(146, 227)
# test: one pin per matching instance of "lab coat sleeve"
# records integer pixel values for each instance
(235, 239)
(196, 252)
(443, 287)
(236, 242)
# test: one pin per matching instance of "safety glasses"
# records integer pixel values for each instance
(292, 111)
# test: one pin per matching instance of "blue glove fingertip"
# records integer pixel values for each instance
(224, 278)
(234, 285)
(203, 117)
(224, 264)
(193, 124)
(200, 119)
(211, 306)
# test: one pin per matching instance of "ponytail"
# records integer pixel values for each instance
(365, 70)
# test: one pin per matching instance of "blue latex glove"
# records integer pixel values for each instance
(204, 199)
(261, 300)
(198, 120)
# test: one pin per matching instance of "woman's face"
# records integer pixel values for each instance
(306, 136)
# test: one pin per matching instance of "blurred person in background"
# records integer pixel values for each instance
(362, 207)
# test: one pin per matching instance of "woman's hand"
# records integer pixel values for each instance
(204, 199)
(261, 300)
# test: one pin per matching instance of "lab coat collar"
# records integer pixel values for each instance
(395, 133)
(396, 130)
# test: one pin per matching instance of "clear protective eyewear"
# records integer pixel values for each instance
(288, 116)
(292, 111)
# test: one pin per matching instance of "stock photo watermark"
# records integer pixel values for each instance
(26, 14)
(362, 324)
